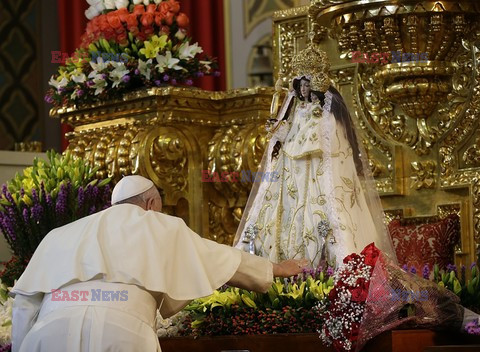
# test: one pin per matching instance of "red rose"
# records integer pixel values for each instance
(182, 20)
(147, 19)
(350, 257)
(174, 6)
(371, 254)
(148, 30)
(360, 293)
(165, 30)
(138, 10)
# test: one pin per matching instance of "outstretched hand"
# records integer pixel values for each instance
(289, 267)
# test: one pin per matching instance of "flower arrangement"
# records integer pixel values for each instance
(6, 304)
(347, 300)
(129, 44)
(289, 306)
(47, 195)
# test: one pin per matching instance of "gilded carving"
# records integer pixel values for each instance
(423, 174)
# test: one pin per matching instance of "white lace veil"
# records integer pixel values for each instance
(332, 103)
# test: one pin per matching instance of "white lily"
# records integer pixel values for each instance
(167, 61)
(119, 4)
(143, 67)
(110, 4)
(157, 1)
(58, 84)
(99, 65)
(91, 12)
(118, 73)
(146, 2)
(80, 78)
(206, 64)
(136, 2)
(186, 51)
(99, 83)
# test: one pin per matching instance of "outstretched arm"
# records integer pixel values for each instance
(256, 273)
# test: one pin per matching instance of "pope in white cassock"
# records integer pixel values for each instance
(95, 284)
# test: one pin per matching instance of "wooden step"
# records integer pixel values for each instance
(457, 348)
(391, 341)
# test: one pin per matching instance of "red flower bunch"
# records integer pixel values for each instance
(140, 23)
(347, 299)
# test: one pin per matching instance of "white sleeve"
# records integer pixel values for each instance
(254, 273)
(24, 315)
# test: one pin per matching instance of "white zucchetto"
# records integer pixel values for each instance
(130, 186)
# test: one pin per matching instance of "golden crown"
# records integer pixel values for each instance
(313, 62)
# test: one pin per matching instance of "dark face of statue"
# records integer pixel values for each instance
(305, 88)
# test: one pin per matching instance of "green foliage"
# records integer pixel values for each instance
(288, 306)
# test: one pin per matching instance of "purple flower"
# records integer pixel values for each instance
(330, 271)
(4, 189)
(199, 74)
(37, 212)
(405, 267)
(216, 74)
(426, 272)
(188, 82)
(473, 327)
(104, 76)
(166, 77)
(158, 82)
(126, 78)
(451, 267)
(137, 71)
(90, 83)
(22, 192)
(173, 81)
(413, 270)
(48, 98)
(61, 90)
(6, 348)
(79, 93)
(81, 197)
(472, 265)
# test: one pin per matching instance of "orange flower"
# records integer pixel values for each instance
(164, 8)
(147, 19)
(139, 10)
(151, 8)
(174, 6)
(122, 38)
(132, 21)
(123, 14)
(103, 23)
(158, 19)
(114, 20)
(168, 19)
(182, 20)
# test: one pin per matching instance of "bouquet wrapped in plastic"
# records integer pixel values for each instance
(397, 297)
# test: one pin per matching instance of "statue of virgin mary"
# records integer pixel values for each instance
(323, 204)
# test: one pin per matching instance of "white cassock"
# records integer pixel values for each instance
(117, 267)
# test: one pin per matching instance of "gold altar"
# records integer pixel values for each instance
(418, 120)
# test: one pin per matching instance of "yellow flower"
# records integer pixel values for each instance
(153, 46)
